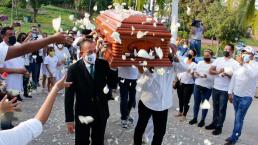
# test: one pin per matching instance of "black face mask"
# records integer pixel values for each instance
(207, 59)
(11, 40)
(226, 53)
(190, 56)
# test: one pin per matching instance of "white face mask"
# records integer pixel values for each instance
(90, 58)
(60, 45)
(184, 46)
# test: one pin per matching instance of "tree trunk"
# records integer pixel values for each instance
(217, 52)
(35, 12)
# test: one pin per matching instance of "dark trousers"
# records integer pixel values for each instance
(6, 121)
(95, 131)
(184, 92)
(220, 101)
(127, 95)
(35, 70)
(200, 95)
(159, 122)
(26, 82)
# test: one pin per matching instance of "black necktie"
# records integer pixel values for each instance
(92, 70)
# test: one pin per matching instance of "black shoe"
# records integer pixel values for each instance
(228, 139)
(27, 96)
(229, 143)
(201, 123)
(217, 131)
(193, 121)
(19, 99)
(210, 127)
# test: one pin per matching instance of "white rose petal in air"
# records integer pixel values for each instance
(155, 24)
(148, 20)
(159, 52)
(105, 89)
(56, 24)
(123, 4)
(71, 17)
(205, 104)
(161, 71)
(141, 34)
(116, 98)
(178, 24)
(122, 81)
(207, 142)
(86, 15)
(188, 11)
(82, 27)
(123, 57)
(162, 39)
(116, 37)
(133, 29)
(95, 8)
(74, 29)
(144, 54)
(86, 119)
(110, 6)
(90, 26)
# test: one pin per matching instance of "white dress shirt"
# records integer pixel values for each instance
(155, 90)
(21, 134)
(3, 52)
(243, 81)
(222, 83)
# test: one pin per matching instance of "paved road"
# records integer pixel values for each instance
(178, 133)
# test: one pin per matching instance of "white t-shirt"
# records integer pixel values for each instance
(203, 69)
(21, 134)
(222, 83)
(63, 54)
(3, 52)
(14, 81)
(128, 73)
(186, 77)
(52, 64)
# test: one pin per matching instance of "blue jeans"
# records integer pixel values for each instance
(127, 95)
(196, 45)
(220, 101)
(241, 105)
(200, 94)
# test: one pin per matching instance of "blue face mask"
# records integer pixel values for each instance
(246, 58)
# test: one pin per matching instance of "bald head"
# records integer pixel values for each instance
(87, 47)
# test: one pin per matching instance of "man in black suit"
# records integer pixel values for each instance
(89, 76)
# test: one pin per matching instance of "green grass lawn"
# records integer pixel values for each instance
(45, 16)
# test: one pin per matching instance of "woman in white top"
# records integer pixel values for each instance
(185, 89)
(203, 86)
(63, 56)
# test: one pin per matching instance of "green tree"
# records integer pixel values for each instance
(244, 10)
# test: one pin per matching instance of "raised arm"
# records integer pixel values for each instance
(32, 46)
(47, 106)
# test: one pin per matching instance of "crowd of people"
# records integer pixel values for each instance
(90, 82)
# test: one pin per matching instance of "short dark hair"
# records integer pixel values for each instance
(20, 37)
(209, 51)
(231, 46)
(86, 31)
(194, 52)
(85, 40)
(5, 29)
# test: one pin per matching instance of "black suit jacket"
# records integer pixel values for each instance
(87, 92)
